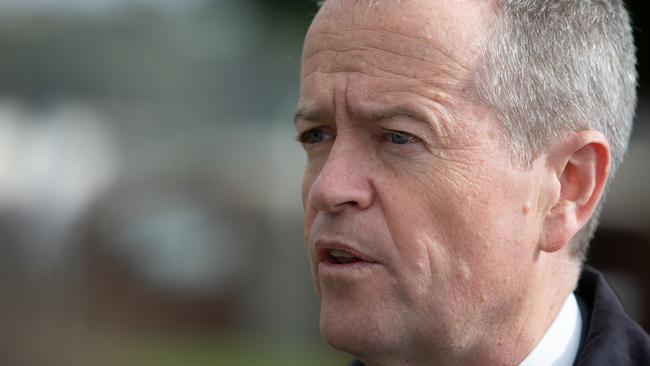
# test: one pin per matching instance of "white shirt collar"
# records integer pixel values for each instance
(559, 346)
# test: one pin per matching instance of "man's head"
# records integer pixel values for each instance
(442, 188)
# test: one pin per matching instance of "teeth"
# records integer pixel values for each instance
(340, 254)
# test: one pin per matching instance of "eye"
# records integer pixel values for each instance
(400, 138)
(313, 136)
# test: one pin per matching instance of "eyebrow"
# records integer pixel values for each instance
(310, 112)
(300, 114)
(387, 113)
(433, 120)
(400, 111)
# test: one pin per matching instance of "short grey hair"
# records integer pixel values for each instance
(554, 67)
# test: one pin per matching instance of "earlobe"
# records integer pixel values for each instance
(560, 225)
(581, 164)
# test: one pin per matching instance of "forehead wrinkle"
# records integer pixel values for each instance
(438, 77)
(424, 16)
(431, 87)
(424, 50)
(380, 39)
(360, 51)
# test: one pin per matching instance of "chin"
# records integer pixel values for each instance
(355, 340)
(355, 328)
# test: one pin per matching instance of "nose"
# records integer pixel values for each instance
(343, 181)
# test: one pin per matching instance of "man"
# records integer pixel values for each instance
(458, 152)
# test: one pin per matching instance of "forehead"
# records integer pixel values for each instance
(426, 31)
(367, 55)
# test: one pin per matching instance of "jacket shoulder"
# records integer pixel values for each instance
(611, 338)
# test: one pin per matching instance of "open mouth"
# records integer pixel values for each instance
(336, 256)
(341, 256)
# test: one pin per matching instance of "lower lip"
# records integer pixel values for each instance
(325, 267)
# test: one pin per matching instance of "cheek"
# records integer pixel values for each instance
(315, 163)
(306, 186)
(453, 217)
(309, 217)
(308, 178)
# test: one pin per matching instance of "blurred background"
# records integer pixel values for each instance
(150, 183)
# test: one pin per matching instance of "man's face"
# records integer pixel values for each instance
(417, 225)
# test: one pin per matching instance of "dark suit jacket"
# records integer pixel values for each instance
(610, 337)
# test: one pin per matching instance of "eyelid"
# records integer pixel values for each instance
(403, 133)
(424, 128)
(304, 125)
(415, 143)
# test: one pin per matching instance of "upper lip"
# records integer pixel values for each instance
(324, 247)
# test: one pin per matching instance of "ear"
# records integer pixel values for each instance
(580, 165)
